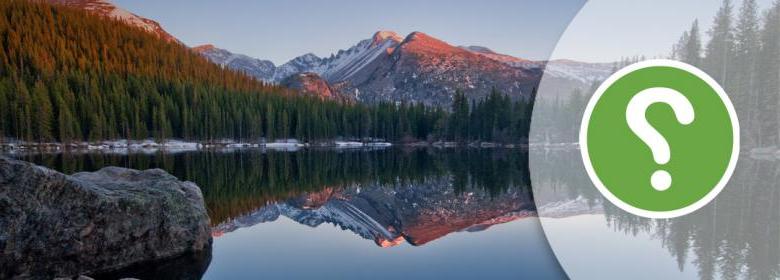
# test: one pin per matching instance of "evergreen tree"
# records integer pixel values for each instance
(747, 46)
(690, 45)
(769, 71)
(43, 113)
(720, 49)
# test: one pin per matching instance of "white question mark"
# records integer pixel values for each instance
(637, 122)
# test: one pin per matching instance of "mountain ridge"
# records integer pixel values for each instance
(369, 71)
(388, 67)
(108, 9)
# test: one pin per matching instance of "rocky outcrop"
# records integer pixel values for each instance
(55, 225)
(310, 84)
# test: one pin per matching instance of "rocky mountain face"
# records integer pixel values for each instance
(426, 70)
(257, 68)
(107, 9)
(417, 68)
(391, 215)
(311, 84)
(388, 67)
(55, 225)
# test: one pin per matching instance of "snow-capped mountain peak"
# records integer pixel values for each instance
(344, 64)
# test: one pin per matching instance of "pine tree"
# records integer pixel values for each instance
(720, 49)
(459, 127)
(747, 45)
(769, 72)
(43, 113)
(23, 112)
(691, 45)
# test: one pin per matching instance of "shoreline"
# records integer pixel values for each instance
(176, 145)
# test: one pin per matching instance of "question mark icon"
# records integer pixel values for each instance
(661, 180)
(616, 117)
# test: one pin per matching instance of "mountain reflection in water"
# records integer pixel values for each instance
(390, 213)
(390, 197)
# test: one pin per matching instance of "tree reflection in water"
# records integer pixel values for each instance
(736, 236)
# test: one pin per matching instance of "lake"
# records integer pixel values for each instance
(350, 214)
(735, 236)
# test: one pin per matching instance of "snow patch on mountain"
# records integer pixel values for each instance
(582, 72)
(259, 69)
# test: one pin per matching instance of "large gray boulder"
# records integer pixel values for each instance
(53, 224)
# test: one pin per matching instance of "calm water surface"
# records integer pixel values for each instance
(352, 214)
(736, 236)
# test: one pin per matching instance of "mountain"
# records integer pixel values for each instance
(304, 63)
(392, 214)
(311, 84)
(343, 65)
(388, 67)
(417, 68)
(259, 69)
(583, 72)
(338, 67)
(565, 69)
(503, 58)
(107, 9)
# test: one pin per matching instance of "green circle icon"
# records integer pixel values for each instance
(660, 138)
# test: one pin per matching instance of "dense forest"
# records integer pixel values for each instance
(742, 54)
(69, 76)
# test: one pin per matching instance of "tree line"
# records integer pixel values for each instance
(743, 55)
(70, 76)
(496, 118)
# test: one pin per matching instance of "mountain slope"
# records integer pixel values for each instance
(426, 70)
(107, 9)
(310, 84)
(343, 65)
(259, 69)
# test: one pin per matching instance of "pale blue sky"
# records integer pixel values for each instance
(280, 30)
(606, 30)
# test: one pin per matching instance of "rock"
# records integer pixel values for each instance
(310, 84)
(55, 225)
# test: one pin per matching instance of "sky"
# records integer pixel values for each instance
(606, 30)
(279, 30)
